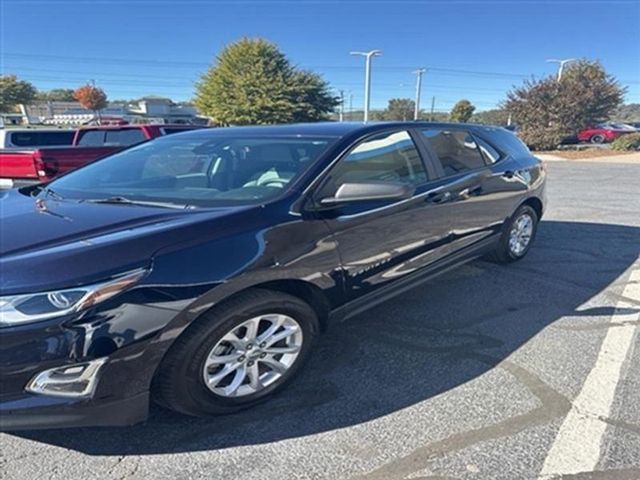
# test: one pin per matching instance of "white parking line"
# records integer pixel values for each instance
(577, 446)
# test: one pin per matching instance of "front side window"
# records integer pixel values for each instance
(212, 170)
(388, 157)
(456, 150)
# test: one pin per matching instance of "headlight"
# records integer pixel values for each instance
(31, 307)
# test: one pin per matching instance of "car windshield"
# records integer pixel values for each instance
(195, 171)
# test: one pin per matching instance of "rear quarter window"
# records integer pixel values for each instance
(508, 142)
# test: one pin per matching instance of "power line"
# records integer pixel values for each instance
(165, 63)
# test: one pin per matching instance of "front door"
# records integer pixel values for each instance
(383, 242)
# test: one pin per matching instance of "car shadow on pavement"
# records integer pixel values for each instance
(406, 351)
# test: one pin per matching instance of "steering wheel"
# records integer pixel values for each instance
(276, 182)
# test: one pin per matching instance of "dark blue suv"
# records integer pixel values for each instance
(196, 270)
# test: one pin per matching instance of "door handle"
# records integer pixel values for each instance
(509, 174)
(438, 197)
(467, 192)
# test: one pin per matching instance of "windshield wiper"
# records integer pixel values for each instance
(126, 201)
(47, 191)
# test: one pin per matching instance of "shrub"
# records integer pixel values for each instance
(629, 141)
(540, 138)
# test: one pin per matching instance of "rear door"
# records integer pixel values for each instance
(381, 243)
(481, 189)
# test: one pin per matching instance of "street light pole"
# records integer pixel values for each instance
(418, 73)
(367, 78)
(561, 63)
(342, 105)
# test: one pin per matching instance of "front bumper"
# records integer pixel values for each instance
(35, 412)
(128, 333)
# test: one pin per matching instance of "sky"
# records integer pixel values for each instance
(471, 49)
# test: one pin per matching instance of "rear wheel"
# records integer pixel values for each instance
(517, 236)
(597, 139)
(237, 355)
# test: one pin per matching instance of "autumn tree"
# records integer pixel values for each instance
(550, 110)
(462, 111)
(91, 98)
(14, 92)
(253, 82)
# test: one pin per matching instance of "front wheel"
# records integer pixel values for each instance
(237, 355)
(597, 139)
(517, 236)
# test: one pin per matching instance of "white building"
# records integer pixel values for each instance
(146, 110)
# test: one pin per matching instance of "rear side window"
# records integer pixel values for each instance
(120, 138)
(41, 139)
(457, 150)
(389, 157)
(92, 138)
(129, 136)
(170, 130)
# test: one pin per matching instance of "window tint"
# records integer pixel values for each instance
(456, 149)
(99, 138)
(213, 170)
(390, 157)
(490, 154)
(170, 130)
(125, 137)
(92, 138)
(36, 138)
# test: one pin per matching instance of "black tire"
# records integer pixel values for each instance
(597, 139)
(179, 384)
(503, 253)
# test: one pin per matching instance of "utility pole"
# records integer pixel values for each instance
(419, 72)
(433, 106)
(350, 106)
(367, 78)
(341, 118)
(561, 63)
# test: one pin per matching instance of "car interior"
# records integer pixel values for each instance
(238, 169)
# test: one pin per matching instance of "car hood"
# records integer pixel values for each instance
(49, 244)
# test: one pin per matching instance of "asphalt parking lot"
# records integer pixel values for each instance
(525, 371)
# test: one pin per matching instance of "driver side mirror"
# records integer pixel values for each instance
(368, 192)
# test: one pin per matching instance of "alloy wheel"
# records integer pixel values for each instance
(253, 355)
(520, 234)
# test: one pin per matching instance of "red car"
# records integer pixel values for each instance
(25, 166)
(603, 133)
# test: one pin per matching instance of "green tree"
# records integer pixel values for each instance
(495, 116)
(627, 113)
(56, 95)
(252, 82)
(14, 92)
(549, 110)
(397, 109)
(462, 111)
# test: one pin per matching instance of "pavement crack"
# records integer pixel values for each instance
(552, 405)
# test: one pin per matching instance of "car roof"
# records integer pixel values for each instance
(329, 129)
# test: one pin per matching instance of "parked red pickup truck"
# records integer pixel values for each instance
(26, 166)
